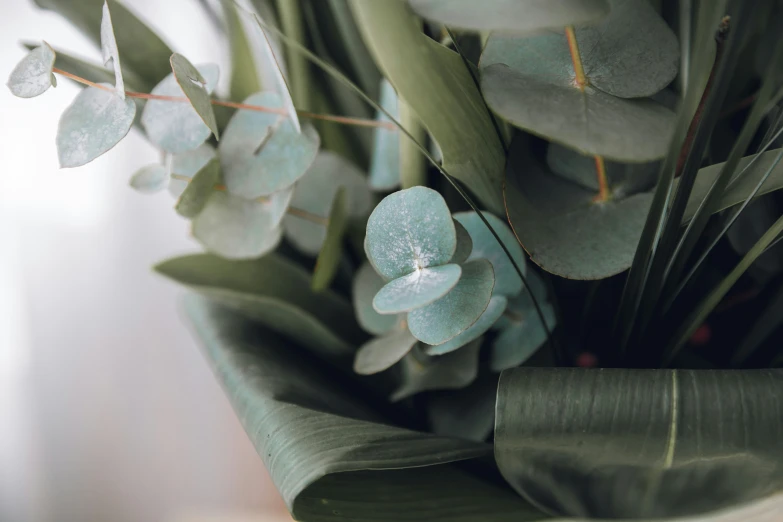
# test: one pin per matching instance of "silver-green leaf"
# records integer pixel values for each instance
(496, 307)
(385, 161)
(110, 51)
(185, 165)
(33, 76)
(199, 190)
(150, 179)
(417, 289)
(383, 352)
(195, 88)
(366, 284)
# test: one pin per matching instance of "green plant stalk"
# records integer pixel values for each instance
(762, 328)
(413, 166)
(363, 66)
(711, 301)
(292, 23)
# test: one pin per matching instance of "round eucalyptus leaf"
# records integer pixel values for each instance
(385, 161)
(564, 230)
(458, 310)
(150, 179)
(409, 230)
(624, 178)
(236, 228)
(33, 76)
(186, 164)
(518, 342)
(464, 244)
(366, 284)
(110, 51)
(94, 123)
(175, 126)
(263, 152)
(199, 190)
(194, 85)
(314, 194)
(495, 309)
(383, 352)
(448, 372)
(523, 303)
(278, 204)
(417, 289)
(517, 16)
(485, 246)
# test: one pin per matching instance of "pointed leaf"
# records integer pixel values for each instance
(458, 310)
(185, 165)
(199, 190)
(650, 444)
(175, 126)
(385, 161)
(517, 16)
(283, 89)
(236, 228)
(33, 75)
(195, 88)
(261, 152)
(496, 307)
(447, 372)
(94, 123)
(485, 246)
(366, 284)
(383, 352)
(417, 289)
(245, 79)
(150, 179)
(332, 252)
(314, 194)
(409, 230)
(277, 294)
(110, 51)
(464, 244)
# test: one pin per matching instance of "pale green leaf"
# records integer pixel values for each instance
(419, 288)
(33, 75)
(446, 372)
(464, 244)
(195, 87)
(199, 190)
(366, 284)
(332, 250)
(409, 230)
(236, 228)
(385, 161)
(186, 164)
(175, 126)
(514, 16)
(262, 152)
(458, 310)
(485, 246)
(110, 51)
(94, 123)
(278, 204)
(283, 89)
(150, 179)
(521, 332)
(383, 352)
(496, 307)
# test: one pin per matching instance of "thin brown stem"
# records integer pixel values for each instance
(345, 120)
(603, 184)
(579, 71)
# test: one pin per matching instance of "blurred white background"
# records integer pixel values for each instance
(107, 409)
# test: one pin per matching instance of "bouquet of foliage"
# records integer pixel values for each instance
(427, 223)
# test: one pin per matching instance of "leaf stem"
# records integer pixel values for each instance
(576, 59)
(345, 120)
(603, 184)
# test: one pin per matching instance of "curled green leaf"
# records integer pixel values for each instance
(195, 88)
(110, 51)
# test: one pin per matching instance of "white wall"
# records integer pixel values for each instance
(107, 409)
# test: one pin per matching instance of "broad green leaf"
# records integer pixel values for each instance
(150, 179)
(262, 152)
(409, 230)
(417, 289)
(366, 284)
(438, 87)
(383, 352)
(458, 310)
(94, 123)
(385, 161)
(314, 194)
(199, 190)
(565, 231)
(464, 244)
(445, 372)
(643, 444)
(109, 50)
(245, 79)
(33, 75)
(185, 165)
(513, 16)
(145, 55)
(332, 250)
(485, 246)
(195, 87)
(624, 178)
(468, 413)
(277, 294)
(175, 126)
(495, 308)
(329, 454)
(236, 228)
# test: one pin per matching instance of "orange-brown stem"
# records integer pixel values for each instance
(576, 58)
(603, 184)
(345, 120)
